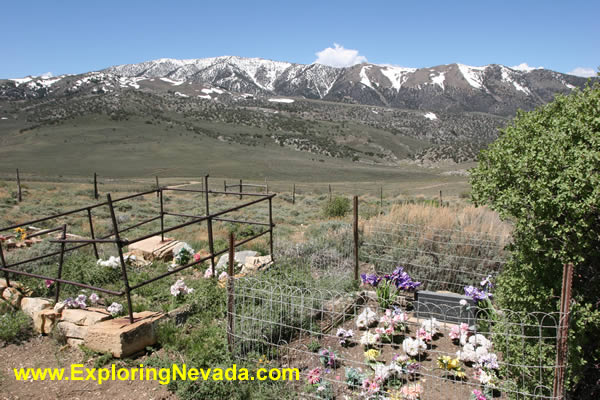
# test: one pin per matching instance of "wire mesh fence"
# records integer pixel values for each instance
(442, 259)
(346, 346)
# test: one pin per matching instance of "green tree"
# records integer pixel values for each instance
(543, 172)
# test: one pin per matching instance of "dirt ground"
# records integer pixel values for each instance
(44, 352)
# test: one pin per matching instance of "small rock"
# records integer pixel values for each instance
(89, 316)
(12, 296)
(44, 321)
(240, 258)
(71, 330)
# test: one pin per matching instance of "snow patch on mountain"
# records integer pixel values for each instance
(397, 75)
(172, 82)
(213, 90)
(364, 79)
(473, 75)
(507, 77)
(281, 100)
(430, 116)
(439, 79)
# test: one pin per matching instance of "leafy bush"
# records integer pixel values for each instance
(543, 172)
(15, 326)
(337, 207)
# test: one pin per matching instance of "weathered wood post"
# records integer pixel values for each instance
(563, 333)
(241, 190)
(355, 231)
(162, 216)
(211, 245)
(157, 188)
(95, 186)
(119, 244)
(330, 192)
(20, 197)
(441, 202)
(230, 295)
(271, 227)
(294, 194)
(224, 185)
(381, 200)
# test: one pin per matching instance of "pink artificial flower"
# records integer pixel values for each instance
(455, 332)
(412, 391)
(197, 257)
(48, 282)
(478, 395)
(424, 335)
(314, 376)
(208, 273)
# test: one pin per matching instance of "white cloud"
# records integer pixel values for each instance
(338, 56)
(524, 67)
(583, 72)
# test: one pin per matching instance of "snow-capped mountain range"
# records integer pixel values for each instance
(494, 89)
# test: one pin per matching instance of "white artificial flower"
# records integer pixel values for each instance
(467, 354)
(369, 339)
(413, 347)
(431, 326)
(115, 309)
(180, 288)
(481, 351)
(480, 340)
(366, 318)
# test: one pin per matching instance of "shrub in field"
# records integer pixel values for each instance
(543, 172)
(337, 207)
(15, 326)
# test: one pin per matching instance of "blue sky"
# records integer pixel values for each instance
(80, 36)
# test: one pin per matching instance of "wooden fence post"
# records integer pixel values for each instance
(20, 197)
(558, 387)
(211, 245)
(355, 231)
(224, 185)
(230, 295)
(441, 202)
(381, 200)
(330, 192)
(294, 194)
(241, 190)
(157, 187)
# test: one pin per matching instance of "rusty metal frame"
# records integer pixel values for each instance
(115, 237)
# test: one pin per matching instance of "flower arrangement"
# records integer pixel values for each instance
(78, 302)
(115, 309)
(314, 376)
(324, 391)
(179, 289)
(328, 358)
(343, 335)
(371, 386)
(458, 332)
(20, 234)
(414, 347)
(478, 294)
(371, 355)
(354, 377)
(477, 395)
(451, 365)
(411, 391)
(94, 298)
(366, 318)
(387, 287)
(394, 322)
(408, 365)
(183, 255)
(488, 378)
(369, 339)
(431, 326)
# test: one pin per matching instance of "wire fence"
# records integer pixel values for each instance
(441, 259)
(392, 353)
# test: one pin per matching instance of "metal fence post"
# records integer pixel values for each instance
(162, 216)
(330, 192)
(294, 194)
(60, 262)
(381, 200)
(120, 250)
(355, 232)
(230, 295)
(89, 214)
(211, 245)
(19, 186)
(95, 186)
(241, 190)
(3, 261)
(271, 227)
(224, 185)
(563, 333)
(157, 187)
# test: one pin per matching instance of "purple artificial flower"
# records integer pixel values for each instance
(476, 294)
(370, 279)
(402, 280)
